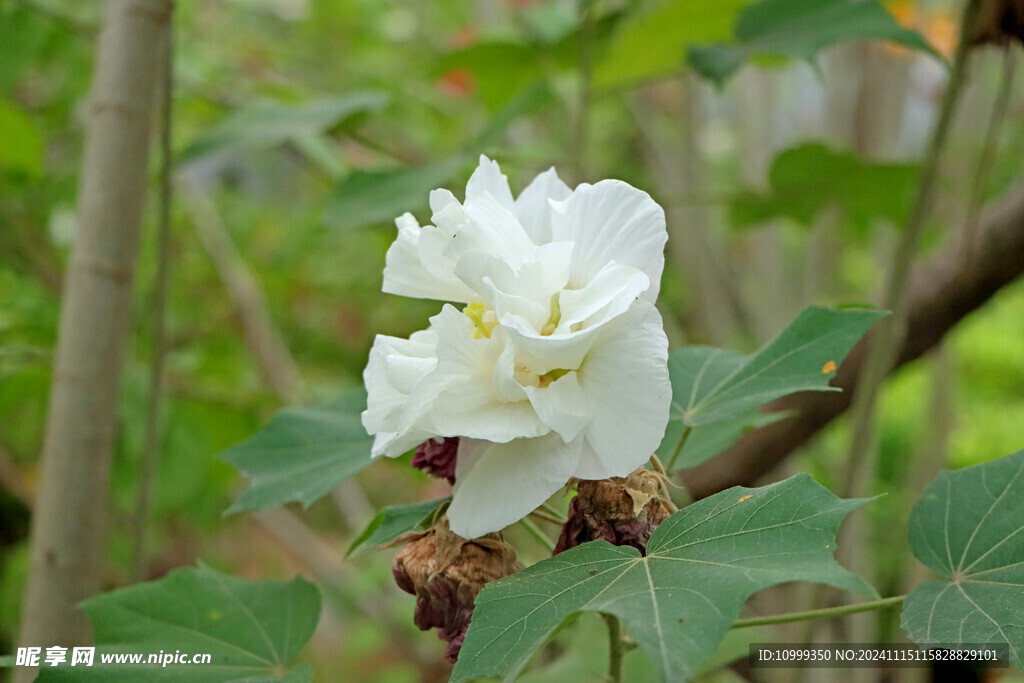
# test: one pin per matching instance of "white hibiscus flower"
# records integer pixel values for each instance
(556, 366)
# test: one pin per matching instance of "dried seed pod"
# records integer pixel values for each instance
(437, 457)
(446, 572)
(620, 510)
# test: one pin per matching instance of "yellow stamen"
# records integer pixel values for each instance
(556, 317)
(484, 321)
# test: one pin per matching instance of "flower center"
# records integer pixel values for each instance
(484, 321)
(527, 377)
(555, 318)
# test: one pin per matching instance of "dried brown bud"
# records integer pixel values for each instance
(620, 510)
(437, 457)
(446, 572)
(997, 22)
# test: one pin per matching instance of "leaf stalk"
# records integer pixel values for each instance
(826, 613)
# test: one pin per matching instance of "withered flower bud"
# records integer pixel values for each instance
(437, 457)
(998, 22)
(446, 572)
(620, 510)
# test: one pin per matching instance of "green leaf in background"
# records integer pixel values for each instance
(530, 101)
(371, 197)
(707, 441)
(679, 601)
(800, 29)
(712, 385)
(265, 124)
(253, 630)
(501, 69)
(302, 454)
(653, 42)
(21, 146)
(969, 529)
(392, 522)
(808, 178)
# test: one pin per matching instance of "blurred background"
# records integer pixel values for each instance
(303, 127)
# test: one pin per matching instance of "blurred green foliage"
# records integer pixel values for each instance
(311, 124)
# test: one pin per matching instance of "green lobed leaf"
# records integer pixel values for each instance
(371, 197)
(302, 453)
(253, 630)
(265, 124)
(679, 601)
(712, 385)
(801, 29)
(969, 529)
(392, 522)
(810, 177)
(653, 42)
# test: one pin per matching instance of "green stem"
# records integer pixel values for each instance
(553, 512)
(819, 613)
(547, 517)
(585, 67)
(678, 449)
(616, 648)
(888, 334)
(535, 531)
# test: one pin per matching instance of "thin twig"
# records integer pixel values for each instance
(151, 447)
(888, 334)
(988, 152)
(586, 68)
(278, 368)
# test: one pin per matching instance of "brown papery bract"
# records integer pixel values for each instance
(446, 572)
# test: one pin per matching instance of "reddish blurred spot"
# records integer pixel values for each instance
(464, 37)
(457, 82)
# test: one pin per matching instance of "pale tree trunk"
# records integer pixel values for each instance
(68, 540)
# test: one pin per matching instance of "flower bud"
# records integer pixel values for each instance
(620, 510)
(446, 572)
(437, 457)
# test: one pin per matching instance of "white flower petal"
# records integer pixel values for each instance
(522, 285)
(608, 294)
(460, 397)
(498, 484)
(625, 378)
(562, 405)
(408, 273)
(488, 179)
(394, 444)
(590, 465)
(542, 354)
(388, 387)
(612, 221)
(492, 229)
(395, 368)
(533, 205)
